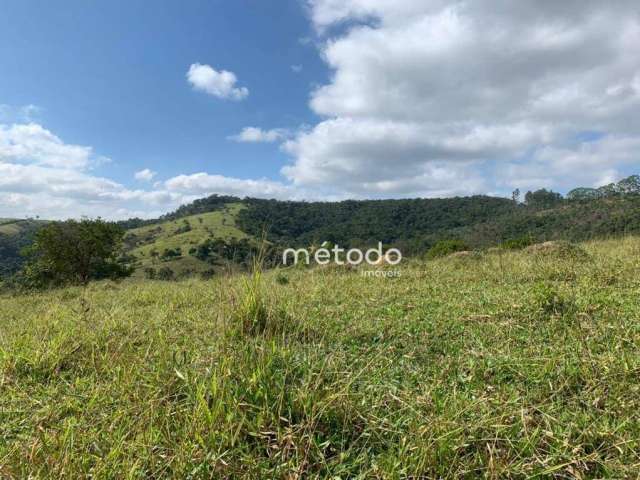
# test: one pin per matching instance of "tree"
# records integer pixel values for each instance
(629, 185)
(515, 196)
(583, 194)
(75, 252)
(542, 198)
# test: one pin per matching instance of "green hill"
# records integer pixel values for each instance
(224, 228)
(15, 234)
(150, 244)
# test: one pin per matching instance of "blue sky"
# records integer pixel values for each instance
(131, 108)
(112, 75)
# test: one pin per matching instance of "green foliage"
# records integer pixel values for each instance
(542, 198)
(626, 186)
(548, 300)
(411, 224)
(165, 274)
(150, 273)
(170, 253)
(282, 279)
(15, 235)
(446, 247)
(517, 243)
(74, 252)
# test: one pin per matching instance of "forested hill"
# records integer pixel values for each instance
(352, 223)
(220, 223)
(14, 236)
(415, 225)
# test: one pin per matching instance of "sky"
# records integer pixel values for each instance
(130, 108)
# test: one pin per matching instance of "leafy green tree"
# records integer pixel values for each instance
(75, 252)
(583, 194)
(542, 198)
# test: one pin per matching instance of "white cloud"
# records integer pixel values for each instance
(588, 163)
(42, 175)
(202, 184)
(145, 175)
(31, 143)
(296, 68)
(221, 84)
(258, 135)
(470, 86)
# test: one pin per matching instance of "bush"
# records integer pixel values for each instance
(208, 274)
(166, 274)
(446, 247)
(150, 273)
(517, 243)
(559, 249)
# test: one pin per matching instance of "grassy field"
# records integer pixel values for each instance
(497, 365)
(9, 226)
(169, 235)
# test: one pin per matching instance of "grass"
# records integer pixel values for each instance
(162, 236)
(10, 226)
(502, 365)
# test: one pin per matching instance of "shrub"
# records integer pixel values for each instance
(446, 247)
(208, 274)
(166, 274)
(150, 273)
(517, 243)
(559, 249)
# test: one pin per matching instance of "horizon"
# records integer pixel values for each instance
(124, 110)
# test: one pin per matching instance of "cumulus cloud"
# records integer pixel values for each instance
(42, 175)
(470, 86)
(202, 184)
(31, 143)
(258, 135)
(221, 84)
(590, 163)
(145, 175)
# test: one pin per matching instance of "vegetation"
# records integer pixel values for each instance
(74, 252)
(15, 235)
(514, 365)
(446, 247)
(518, 243)
(220, 233)
(174, 244)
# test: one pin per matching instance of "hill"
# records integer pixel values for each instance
(15, 234)
(512, 365)
(171, 243)
(219, 232)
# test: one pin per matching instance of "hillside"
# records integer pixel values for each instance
(417, 224)
(512, 365)
(167, 244)
(217, 233)
(14, 236)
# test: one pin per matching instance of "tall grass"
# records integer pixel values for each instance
(508, 365)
